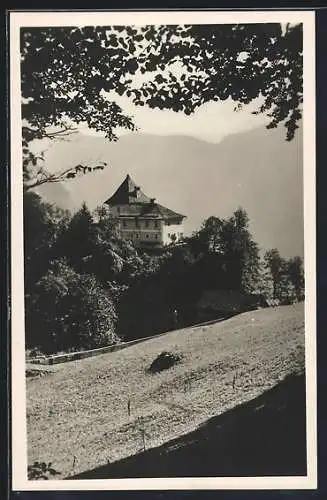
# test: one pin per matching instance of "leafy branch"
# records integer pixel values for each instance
(70, 173)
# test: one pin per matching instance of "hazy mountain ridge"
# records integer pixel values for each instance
(57, 193)
(257, 170)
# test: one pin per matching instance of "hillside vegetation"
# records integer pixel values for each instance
(98, 410)
(88, 287)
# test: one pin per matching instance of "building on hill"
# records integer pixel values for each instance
(141, 219)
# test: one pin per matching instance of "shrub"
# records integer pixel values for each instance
(41, 470)
(164, 361)
(35, 373)
(69, 311)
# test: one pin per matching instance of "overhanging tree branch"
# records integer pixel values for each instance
(74, 74)
(70, 173)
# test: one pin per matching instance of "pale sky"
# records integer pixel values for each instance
(210, 122)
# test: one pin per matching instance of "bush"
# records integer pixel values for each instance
(164, 361)
(68, 311)
(41, 470)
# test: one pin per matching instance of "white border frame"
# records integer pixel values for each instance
(19, 434)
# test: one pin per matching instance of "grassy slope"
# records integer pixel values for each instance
(78, 414)
(262, 437)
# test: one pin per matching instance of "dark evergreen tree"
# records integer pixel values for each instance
(275, 263)
(295, 273)
(78, 242)
(287, 276)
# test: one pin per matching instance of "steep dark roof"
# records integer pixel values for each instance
(138, 206)
(126, 194)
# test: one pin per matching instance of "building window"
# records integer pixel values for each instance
(156, 236)
(156, 224)
(124, 223)
(146, 223)
(147, 236)
(137, 224)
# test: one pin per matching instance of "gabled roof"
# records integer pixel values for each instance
(156, 210)
(132, 202)
(126, 194)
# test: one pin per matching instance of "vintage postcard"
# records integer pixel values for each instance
(163, 250)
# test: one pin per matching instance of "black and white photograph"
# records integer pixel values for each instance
(163, 250)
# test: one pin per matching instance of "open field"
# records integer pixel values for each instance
(77, 415)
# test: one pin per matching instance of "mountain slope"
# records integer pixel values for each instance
(257, 170)
(56, 193)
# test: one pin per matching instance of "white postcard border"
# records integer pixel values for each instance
(19, 441)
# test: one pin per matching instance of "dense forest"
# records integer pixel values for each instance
(85, 287)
